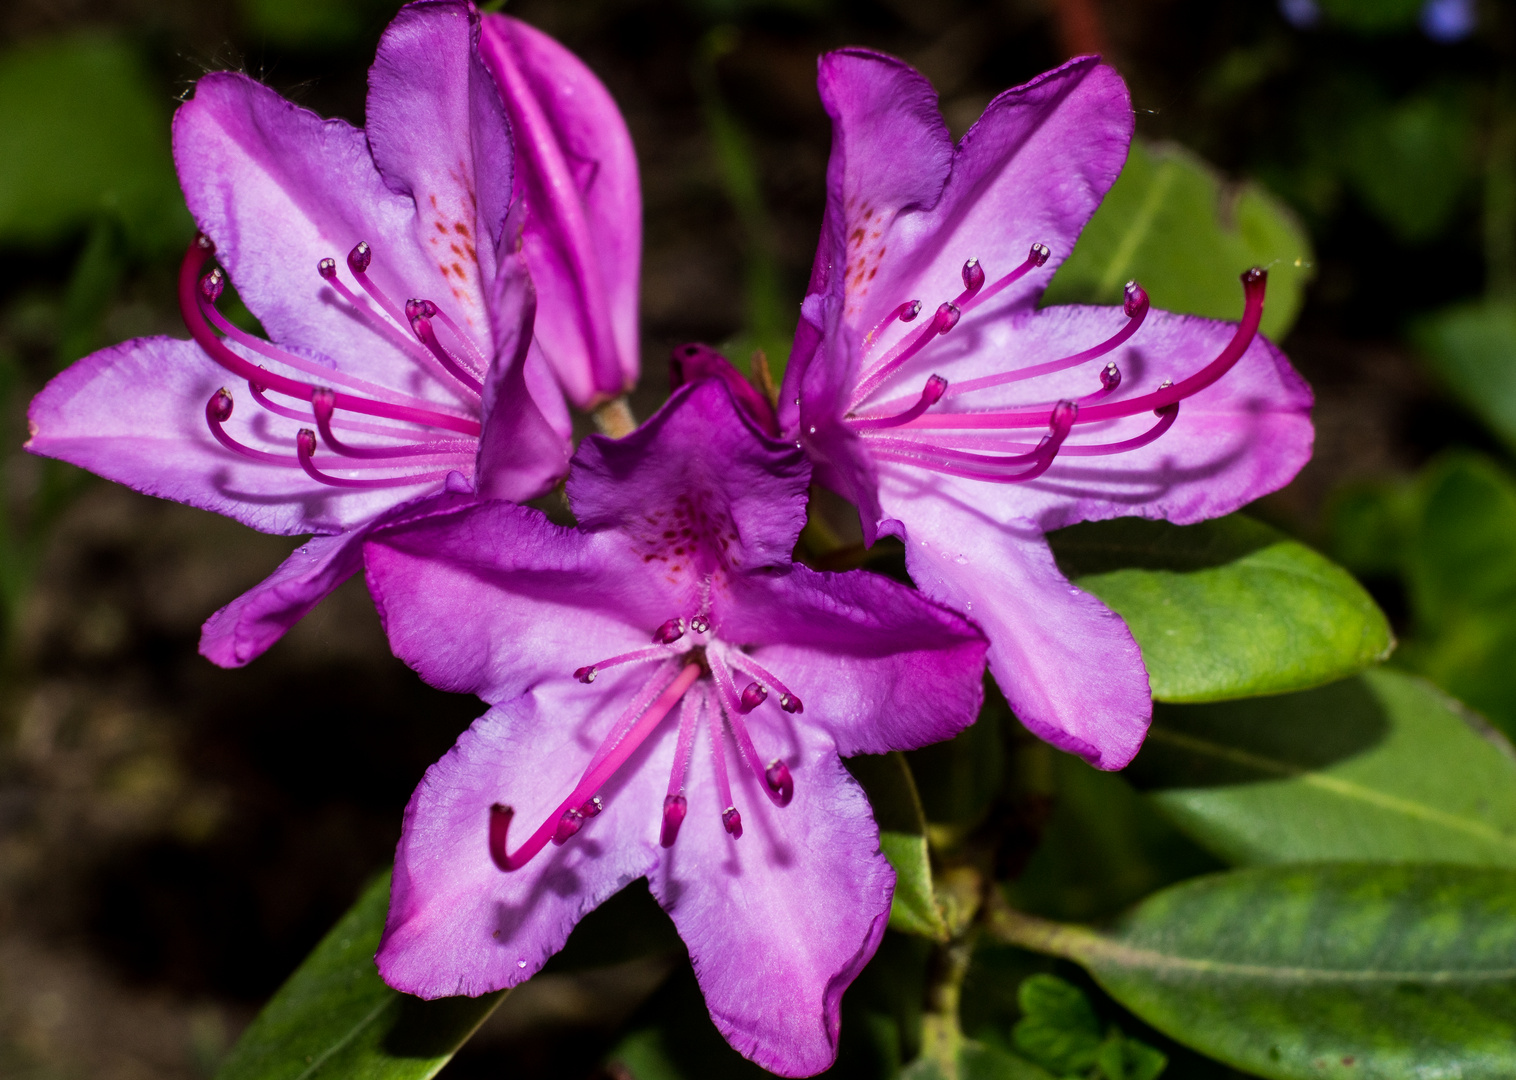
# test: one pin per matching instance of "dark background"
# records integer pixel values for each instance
(173, 837)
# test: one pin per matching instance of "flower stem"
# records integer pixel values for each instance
(614, 418)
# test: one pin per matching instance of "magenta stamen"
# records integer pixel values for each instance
(322, 404)
(906, 312)
(973, 281)
(1038, 255)
(1254, 284)
(983, 467)
(1167, 414)
(741, 661)
(593, 779)
(753, 695)
(375, 320)
(946, 318)
(628, 718)
(217, 411)
(700, 624)
(194, 319)
(573, 819)
(428, 337)
(300, 363)
(723, 783)
(480, 363)
(674, 805)
(674, 809)
(1136, 310)
(780, 784)
(587, 674)
(669, 632)
(931, 393)
(305, 448)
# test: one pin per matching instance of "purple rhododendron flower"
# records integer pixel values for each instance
(576, 177)
(409, 356)
(928, 388)
(706, 760)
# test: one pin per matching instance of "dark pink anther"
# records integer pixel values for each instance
(780, 783)
(731, 821)
(1110, 377)
(420, 309)
(669, 632)
(327, 268)
(946, 318)
(1134, 299)
(791, 704)
(359, 258)
(1040, 254)
(909, 310)
(973, 276)
(212, 284)
(592, 808)
(219, 407)
(586, 674)
(674, 809)
(753, 695)
(305, 443)
(204, 243)
(570, 823)
(700, 624)
(1062, 419)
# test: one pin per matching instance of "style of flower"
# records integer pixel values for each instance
(581, 233)
(738, 810)
(928, 389)
(399, 317)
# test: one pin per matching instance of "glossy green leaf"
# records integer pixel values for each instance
(335, 1019)
(84, 133)
(1377, 972)
(1228, 608)
(902, 837)
(1380, 767)
(1170, 223)
(1472, 349)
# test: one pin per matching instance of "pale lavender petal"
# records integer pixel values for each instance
(743, 493)
(459, 925)
(135, 413)
(1067, 664)
(439, 136)
(577, 173)
(245, 629)
(779, 922)
(521, 454)
(877, 665)
(494, 599)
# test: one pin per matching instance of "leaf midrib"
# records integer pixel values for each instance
(1346, 789)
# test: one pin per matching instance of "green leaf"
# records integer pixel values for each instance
(1472, 349)
(1058, 1029)
(1170, 223)
(1411, 162)
(84, 133)
(1452, 536)
(1228, 608)
(902, 837)
(1332, 970)
(1380, 767)
(335, 1018)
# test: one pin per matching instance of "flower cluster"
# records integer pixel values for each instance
(669, 694)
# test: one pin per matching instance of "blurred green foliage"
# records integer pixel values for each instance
(1170, 224)
(84, 137)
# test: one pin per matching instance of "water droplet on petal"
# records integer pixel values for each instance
(521, 963)
(961, 560)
